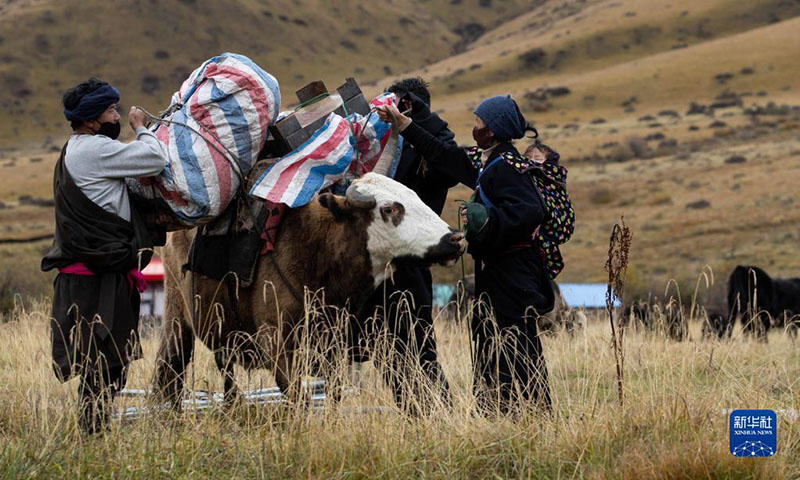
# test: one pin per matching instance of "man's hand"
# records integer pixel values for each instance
(386, 112)
(137, 118)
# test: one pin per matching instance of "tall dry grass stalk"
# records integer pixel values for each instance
(673, 426)
(619, 246)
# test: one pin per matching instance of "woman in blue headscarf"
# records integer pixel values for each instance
(511, 282)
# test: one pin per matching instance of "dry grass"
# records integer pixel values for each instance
(672, 426)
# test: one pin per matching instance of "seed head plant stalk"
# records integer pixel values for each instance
(617, 267)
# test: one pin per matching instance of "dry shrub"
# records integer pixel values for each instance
(602, 196)
(21, 279)
(620, 153)
(637, 146)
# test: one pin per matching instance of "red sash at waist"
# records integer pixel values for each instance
(134, 276)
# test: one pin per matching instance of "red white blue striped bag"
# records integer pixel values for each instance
(224, 106)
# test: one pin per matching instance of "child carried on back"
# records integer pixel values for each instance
(551, 181)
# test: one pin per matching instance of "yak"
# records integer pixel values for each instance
(763, 302)
(664, 318)
(343, 247)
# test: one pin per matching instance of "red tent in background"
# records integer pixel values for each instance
(152, 301)
(154, 271)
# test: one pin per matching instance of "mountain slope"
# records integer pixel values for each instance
(147, 48)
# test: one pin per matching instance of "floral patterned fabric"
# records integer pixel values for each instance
(550, 179)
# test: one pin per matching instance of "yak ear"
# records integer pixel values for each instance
(337, 206)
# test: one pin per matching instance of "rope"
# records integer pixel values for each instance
(464, 283)
(286, 282)
(312, 100)
(293, 291)
(231, 157)
(463, 230)
(233, 160)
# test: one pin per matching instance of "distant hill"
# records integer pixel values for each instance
(147, 48)
(664, 54)
(682, 115)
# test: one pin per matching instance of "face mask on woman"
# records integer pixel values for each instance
(483, 137)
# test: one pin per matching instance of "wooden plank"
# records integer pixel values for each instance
(349, 89)
(313, 89)
(291, 132)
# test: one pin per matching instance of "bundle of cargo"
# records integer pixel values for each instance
(295, 128)
(216, 129)
(213, 131)
(340, 149)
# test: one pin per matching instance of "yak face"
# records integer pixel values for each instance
(403, 228)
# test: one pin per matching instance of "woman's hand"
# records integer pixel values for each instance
(387, 112)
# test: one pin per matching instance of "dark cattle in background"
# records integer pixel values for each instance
(763, 302)
(667, 319)
(717, 326)
(459, 301)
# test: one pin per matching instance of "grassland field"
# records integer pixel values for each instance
(681, 116)
(673, 423)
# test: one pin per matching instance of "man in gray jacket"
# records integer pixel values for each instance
(101, 243)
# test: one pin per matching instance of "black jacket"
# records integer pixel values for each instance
(87, 233)
(414, 169)
(516, 209)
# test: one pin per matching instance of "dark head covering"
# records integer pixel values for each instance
(501, 114)
(93, 104)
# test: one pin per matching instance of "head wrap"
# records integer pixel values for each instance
(93, 104)
(503, 117)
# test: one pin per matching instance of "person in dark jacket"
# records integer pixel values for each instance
(101, 243)
(396, 322)
(511, 281)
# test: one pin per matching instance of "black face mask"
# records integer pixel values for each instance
(110, 130)
(483, 137)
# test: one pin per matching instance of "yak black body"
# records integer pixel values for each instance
(762, 301)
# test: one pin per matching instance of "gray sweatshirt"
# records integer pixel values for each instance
(99, 165)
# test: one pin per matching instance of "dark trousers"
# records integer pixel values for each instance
(509, 367)
(395, 327)
(94, 336)
(96, 391)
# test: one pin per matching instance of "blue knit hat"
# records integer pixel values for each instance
(502, 116)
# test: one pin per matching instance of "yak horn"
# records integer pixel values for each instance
(358, 199)
(384, 163)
